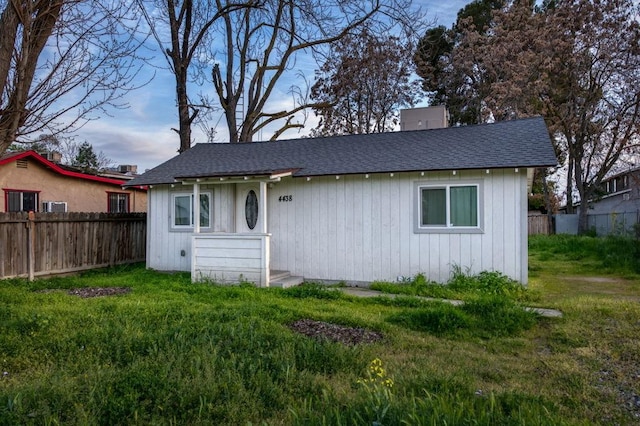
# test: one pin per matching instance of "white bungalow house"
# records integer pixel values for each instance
(352, 208)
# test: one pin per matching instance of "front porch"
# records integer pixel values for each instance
(230, 258)
(243, 255)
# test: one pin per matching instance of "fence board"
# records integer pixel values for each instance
(538, 224)
(66, 242)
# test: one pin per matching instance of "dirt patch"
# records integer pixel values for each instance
(336, 333)
(98, 291)
(596, 279)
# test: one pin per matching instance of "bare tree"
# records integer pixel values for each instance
(62, 62)
(261, 46)
(246, 47)
(363, 83)
(182, 28)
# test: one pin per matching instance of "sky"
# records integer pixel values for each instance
(142, 135)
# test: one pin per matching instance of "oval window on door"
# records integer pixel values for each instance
(251, 209)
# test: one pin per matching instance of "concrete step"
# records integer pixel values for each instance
(275, 275)
(286, 282)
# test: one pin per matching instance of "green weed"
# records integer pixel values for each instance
(462, 285)
(441, 319)
(174, 352)
(312, 290)
(610, 254)
(484, 317)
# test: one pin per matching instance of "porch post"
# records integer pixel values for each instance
(266, 241)
(196, 208)
(263, 207)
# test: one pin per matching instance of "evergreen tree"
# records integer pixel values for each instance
(86, 159)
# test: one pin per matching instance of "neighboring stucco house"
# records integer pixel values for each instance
(31, 182)
(356, 208)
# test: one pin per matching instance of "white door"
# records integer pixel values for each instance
(248, 214)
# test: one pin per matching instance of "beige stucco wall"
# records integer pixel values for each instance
(81, 195)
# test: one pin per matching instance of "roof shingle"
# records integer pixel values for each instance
(516, 143)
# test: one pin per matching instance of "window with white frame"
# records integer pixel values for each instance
(21, 201)
(452, 207)
(182, 204)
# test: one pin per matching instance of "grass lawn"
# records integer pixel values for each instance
(172, 352)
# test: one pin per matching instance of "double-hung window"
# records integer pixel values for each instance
(182, 217)
(448, 207)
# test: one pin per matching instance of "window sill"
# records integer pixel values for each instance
(190, 229)
(444, 230)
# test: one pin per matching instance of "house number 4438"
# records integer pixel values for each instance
(285, 198)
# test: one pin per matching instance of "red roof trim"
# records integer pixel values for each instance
(58, 169)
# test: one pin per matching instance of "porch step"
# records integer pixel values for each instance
(284, 279)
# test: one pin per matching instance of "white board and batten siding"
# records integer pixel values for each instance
(169, 249)
(358, 228)
(352, 228)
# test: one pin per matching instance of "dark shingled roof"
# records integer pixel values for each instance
(516, 143)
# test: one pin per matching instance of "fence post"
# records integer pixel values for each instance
(32, 244)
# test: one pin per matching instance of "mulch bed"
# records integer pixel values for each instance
(98, 291)
(336, 333)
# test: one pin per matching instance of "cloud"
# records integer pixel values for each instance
(145, 146)
(142, 133)
(444, 12)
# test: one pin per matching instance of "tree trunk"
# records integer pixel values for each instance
(585, 195)
(547, 202)
(184, 119)
(9, 23)
(38, 24)
(569, 188)
(583, 219)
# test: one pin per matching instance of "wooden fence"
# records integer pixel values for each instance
(36, 244)
(539, 224)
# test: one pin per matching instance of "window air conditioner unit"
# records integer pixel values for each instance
(54, 207)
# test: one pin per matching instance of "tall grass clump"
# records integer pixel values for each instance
(487, 283)
(611, 254)
(620, 254)
(383, 400)
(461, 285)
(484, 317)
(312, 290)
